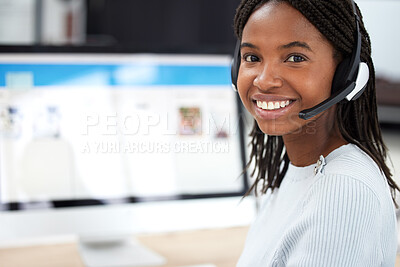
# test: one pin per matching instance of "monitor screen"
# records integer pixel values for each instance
(93, 129)
(101, 146)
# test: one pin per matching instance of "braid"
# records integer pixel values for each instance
(243, 13)
(357, 120)
(268, 155)
(324, 15)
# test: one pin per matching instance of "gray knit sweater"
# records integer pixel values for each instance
(336, 213)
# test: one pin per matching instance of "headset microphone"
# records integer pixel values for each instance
(351, 92)
(349, 81)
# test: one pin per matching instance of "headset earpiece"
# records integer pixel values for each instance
(340, 76)
(361, 82)
(235, 65)
(350, 78)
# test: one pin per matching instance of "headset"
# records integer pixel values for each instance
(349, 81)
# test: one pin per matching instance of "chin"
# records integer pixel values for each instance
(272, 130)
(279, 129)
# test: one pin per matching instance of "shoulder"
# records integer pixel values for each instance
(354, 166)
(351, 160)
(349, 199)
(343, 220)
(350, 180)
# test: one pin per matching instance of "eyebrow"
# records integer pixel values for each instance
(285, 46)
(296, 44)
(249, 45)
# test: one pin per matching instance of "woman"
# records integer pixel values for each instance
(327, 189)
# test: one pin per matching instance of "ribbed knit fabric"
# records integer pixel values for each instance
(342, 216)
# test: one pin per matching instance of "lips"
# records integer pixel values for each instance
(271, 107)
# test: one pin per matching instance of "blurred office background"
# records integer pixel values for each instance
(154, 25)
(62, 62)
(176, 28)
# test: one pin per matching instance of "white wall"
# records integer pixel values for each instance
(18, 18)
(54, 21)
(17, 21)
(382, 20)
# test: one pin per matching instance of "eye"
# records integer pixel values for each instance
(251, 58)
(295, 58)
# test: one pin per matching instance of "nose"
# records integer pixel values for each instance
(268, 78)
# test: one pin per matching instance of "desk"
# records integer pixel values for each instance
(221, 247)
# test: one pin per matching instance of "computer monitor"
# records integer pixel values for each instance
(109, 145)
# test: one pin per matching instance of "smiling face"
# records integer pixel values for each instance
(286, 66)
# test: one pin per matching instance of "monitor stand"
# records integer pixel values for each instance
(117, 252)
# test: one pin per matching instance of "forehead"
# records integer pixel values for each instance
(280, 20)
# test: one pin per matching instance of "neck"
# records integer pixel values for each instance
(315, 139)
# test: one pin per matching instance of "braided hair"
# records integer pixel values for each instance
(357, 120)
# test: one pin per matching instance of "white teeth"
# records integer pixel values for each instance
(264, 105)
(271, 105)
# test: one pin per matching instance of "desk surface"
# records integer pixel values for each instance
(221, 247)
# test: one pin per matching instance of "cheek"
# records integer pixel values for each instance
(316, 86)
(244, 83)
